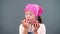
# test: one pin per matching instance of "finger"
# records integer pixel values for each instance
(35, 24)
(26, 21)
(38, 25)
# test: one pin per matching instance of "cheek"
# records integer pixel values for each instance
(25, 16)
(32, 17)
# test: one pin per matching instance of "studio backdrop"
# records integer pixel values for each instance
(11, 14)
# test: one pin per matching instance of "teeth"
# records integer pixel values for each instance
(28, 21)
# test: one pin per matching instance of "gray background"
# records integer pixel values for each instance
(11, 14)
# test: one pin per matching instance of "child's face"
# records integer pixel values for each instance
(29, 15)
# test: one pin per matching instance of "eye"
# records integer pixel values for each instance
(30, 14)
(26, 14)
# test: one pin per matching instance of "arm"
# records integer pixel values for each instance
(35, 32)
(25, 31)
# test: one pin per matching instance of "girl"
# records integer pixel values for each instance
(32, 24)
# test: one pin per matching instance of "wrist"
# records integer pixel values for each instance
(35, 32)
(26, 30)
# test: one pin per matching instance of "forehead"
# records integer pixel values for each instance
(29, 12)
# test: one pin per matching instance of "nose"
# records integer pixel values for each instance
(28, 17)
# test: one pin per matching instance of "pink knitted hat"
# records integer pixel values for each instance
(37, 10)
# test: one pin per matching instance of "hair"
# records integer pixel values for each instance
(39, 19)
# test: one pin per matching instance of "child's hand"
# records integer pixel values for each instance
(36, 26)
(25, 23)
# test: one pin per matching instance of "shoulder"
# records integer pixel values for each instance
(42, 27)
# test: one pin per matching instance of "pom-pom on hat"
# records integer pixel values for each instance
(36, 9)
